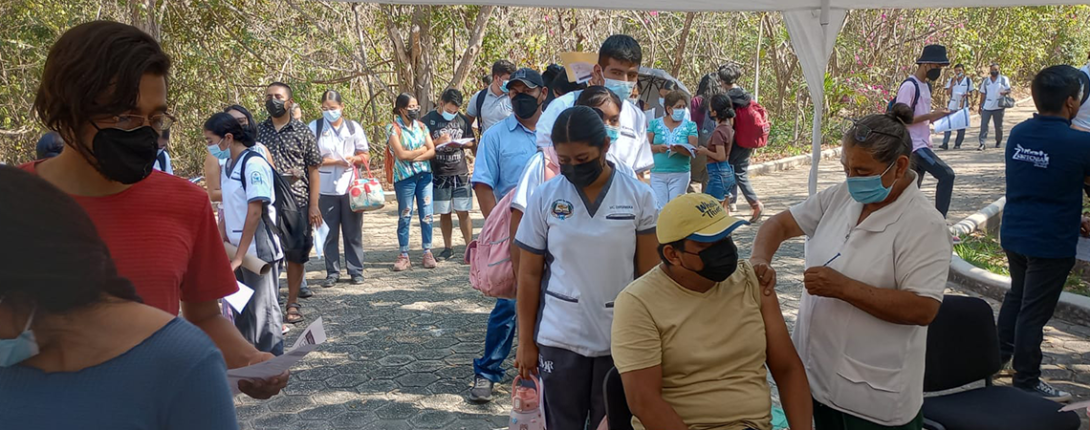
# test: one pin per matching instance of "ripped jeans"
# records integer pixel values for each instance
(419, 187)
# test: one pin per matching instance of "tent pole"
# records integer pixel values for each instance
(757, 75)
(819, 107)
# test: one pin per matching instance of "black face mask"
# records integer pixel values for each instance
(275, 108)
(934, 74)
(413, 114)
(125, 156)
(995, 73)
(584, 174)
(720, 260)
(524, 105)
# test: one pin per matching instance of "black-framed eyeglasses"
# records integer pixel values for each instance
(127, 122)
(861, 132)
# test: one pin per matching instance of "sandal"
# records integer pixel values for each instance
(294, 316)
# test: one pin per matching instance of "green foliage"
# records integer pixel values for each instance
(226, 51)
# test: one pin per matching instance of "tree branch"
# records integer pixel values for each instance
(473, 48)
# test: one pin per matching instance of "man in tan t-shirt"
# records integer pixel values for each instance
(693, 337)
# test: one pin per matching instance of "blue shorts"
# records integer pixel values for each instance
(720, 180)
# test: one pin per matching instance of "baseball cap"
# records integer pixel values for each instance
(697, 217)
(530, 77)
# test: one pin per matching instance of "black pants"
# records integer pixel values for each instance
(925, 160)
(957, 143)
(739, 160)
(573, 387)
(1036, 284)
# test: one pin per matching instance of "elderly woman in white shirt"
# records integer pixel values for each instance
(877, 260)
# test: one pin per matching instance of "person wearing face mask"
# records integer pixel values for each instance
(959, 88)
(212, 165)
(994, 88)
(73, 331)
(721, 178)
(344, 149)
(877, 260)
(295, 151)
(618, 69)
(700, 297)
(248, 224)
(491, 105)
(453, 192)
(589, 213)
(915, 92)
(502, 156)
(410, 145)
(670, 176)
(104, 90)
(1046, 164)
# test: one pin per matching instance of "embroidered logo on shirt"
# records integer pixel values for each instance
(257, 179)
(1038, 158)
(561, 209)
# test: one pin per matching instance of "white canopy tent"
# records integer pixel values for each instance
(813, 26)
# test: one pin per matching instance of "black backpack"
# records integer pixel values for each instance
(915, 100)
(480, 103)
(321, 124)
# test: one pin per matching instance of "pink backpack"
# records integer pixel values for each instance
(489, 256)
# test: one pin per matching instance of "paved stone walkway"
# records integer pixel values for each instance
(400, 347)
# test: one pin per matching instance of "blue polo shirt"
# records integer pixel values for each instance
(1047, 161)
(503, 152)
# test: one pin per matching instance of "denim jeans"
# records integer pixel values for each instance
(416, 187)
(497, 342)
(925, 160)
(1036, 284)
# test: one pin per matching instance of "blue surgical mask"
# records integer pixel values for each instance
(221, 154)
(869, 189)
(622, 89)
(503, 87)
(613, 133)
(678, 115)
(447, 116)
(24, 346)
(332, 115)
(662, 102)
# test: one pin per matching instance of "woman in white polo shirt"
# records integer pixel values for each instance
(597, 228)
(877, 259)
(344, 149)
(248, 217)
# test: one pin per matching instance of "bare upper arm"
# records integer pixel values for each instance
(639, 384)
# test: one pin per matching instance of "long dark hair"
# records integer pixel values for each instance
(246, 113)
(222, 124)
(56, 261)
(402, 102)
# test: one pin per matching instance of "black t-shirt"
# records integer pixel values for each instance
(448, 161)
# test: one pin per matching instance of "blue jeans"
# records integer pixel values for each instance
(497, 342)
(416, 187)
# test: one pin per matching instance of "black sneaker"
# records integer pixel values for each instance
(481, 391)
(446, 254)
(1044, 390)
(304, 292)
(357, 280)
(330, 281)
(944, 147)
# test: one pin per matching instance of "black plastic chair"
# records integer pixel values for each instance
(963, 347)
(617, 412)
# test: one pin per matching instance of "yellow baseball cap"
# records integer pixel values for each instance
(697, 217)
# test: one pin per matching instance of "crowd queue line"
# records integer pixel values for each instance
(652, 307)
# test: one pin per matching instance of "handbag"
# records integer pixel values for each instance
(365, 194)
(1006, 102)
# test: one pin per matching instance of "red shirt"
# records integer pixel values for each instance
(162, 237)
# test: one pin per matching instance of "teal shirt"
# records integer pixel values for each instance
(411, 138)
(666, 162)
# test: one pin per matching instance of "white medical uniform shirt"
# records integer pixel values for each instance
(958, 89)
(590, 256)
(1082, 119)
(855, 362)
(236, 200)
(991, 91)
(338, 143)
(631, 147)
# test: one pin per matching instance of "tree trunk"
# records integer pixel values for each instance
(473, 48)
(679, 53)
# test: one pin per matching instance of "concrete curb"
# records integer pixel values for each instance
(790, 162)
(1072, 307)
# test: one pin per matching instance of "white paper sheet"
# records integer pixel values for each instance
(455, 143)
(320, 232)
(956, 121)
(311, 338)
(240, 299)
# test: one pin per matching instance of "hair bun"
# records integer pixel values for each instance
(901, 112)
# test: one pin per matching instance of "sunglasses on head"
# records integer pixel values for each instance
(861, 132)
